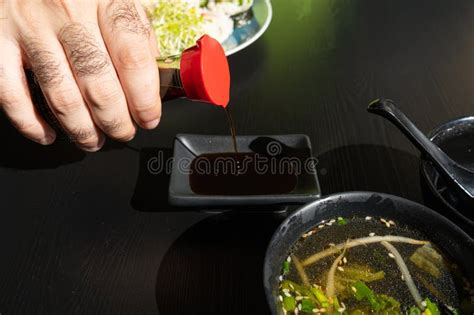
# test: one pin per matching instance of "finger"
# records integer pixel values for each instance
(97, 79)
(128, 41)
(53, 74)
(15, 99)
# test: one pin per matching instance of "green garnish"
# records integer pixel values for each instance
(341, 221)
(289, 303)
(378, 302)
(359, 273)
(414, 311)
(429, 260)
(432, 308)
(307, 306)
(315, 295)
(363, 292)
(286, 267)
(319, 294)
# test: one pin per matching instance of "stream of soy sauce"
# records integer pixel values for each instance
(232, 128)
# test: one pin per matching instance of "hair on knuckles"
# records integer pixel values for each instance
(85, 55)
(80, 134)
(44, 64)
(124, 16)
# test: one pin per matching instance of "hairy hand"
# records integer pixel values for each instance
(94, 61)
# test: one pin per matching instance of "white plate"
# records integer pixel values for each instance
(244, 36)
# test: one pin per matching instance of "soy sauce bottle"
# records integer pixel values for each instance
(200, 73)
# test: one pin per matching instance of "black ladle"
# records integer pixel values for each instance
(460, 179)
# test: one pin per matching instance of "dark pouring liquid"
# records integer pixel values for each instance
(239, 174)
(232, 129)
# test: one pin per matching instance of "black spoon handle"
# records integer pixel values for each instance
(387, 109)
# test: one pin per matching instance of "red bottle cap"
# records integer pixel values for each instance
(205, 72)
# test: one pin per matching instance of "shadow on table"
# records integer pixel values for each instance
(21, 153)
(151, 189)
(370, 168)
(216, 267)
(381, 169)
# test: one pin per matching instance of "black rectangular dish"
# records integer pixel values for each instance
(277, 149)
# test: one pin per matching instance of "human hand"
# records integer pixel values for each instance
(94, 61)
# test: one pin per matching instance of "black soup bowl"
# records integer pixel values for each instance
(454, 242)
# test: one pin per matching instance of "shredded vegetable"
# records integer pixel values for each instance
(179, 23)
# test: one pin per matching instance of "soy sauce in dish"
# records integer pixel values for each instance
(239, 174)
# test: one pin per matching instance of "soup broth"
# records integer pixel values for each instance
(370, 266)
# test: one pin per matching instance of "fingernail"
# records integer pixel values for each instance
(95, 148)
(48, 139)
(151, 124)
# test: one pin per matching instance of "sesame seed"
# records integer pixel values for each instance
(391, 222)
(288, 259)
(281, 298)
(296, 310)
(391, 255)
(320, 226)
(332, 244)
(341, 309)
(322, 310)
(340, 218)
(284, 311)
(315, 310)
(323, 221)
(297, 292)
(292, 287)
(344, 260)
(340, 268)
(287, 294)
(368, 218)
(299, 307)
(298, 298)
(403, 277)
(424, 303)
(354, 289)
(329, 224)
(387, 224)
(383, 220)
(332, 221)
(280, 278)
(372, 234)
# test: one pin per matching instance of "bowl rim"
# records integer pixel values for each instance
(424, 171)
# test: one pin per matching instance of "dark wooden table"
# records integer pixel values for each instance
(93, 233)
